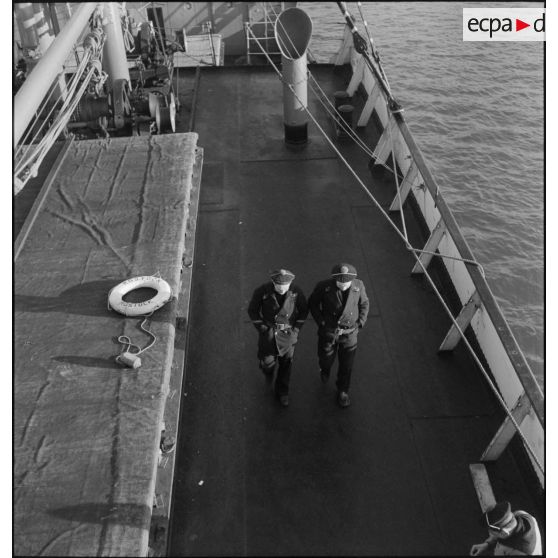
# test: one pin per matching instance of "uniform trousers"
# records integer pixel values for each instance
(342, 346)
(268, 362)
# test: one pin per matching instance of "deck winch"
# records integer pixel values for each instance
(138, 98)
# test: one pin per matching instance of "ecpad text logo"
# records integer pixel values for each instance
(503, 24)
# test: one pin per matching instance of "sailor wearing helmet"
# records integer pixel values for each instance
(339, 306)
(278, 310)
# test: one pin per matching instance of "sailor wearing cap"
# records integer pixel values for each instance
(510, 533)
(340, 307)
(278, 310)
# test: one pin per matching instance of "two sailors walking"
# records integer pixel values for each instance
(278, 310)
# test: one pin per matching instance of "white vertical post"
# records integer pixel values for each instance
(247, 31)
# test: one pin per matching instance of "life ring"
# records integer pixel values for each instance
(116, 294)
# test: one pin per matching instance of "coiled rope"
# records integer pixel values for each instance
(414, 252)
(125, 340)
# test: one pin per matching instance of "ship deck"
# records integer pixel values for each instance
(387, 476)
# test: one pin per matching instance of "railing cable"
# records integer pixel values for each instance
(425, 270)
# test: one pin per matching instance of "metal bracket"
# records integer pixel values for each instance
(405, 187)
(507, 430)
(431, 246)
(463, 320)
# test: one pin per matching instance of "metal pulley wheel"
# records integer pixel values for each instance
(121, 108)
(166, 116)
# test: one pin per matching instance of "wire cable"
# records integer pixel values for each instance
(365, 148)
(425, 271)
(334, 113)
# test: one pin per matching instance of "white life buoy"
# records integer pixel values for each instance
(139, 308)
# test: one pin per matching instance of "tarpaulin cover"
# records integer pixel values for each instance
(87, 430)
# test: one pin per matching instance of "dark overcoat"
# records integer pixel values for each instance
(277, 325)
(329, 311)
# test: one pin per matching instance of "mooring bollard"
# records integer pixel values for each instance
(345, 120)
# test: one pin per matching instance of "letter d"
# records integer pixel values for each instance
(536, 24)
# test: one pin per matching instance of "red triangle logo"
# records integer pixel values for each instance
(519, 25)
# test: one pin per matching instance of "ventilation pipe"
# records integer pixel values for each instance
(293, 30)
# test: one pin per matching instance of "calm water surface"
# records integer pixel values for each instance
(476, 111)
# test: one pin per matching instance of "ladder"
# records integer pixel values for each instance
(260, 28)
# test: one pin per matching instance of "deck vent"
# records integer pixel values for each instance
(293, 30)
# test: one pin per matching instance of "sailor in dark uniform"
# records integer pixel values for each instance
(340, 307)
(278, 310)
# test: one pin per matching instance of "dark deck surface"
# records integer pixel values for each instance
(387, 476)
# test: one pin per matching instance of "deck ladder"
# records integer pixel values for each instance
(261, 30)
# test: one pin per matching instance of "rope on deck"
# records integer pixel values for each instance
(414, 252)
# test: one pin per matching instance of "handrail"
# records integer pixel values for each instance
(516, 356)
(522, 405)
(509, 343)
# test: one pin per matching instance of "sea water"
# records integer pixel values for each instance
(476, 112)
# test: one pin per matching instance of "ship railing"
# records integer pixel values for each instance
(517, 386)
